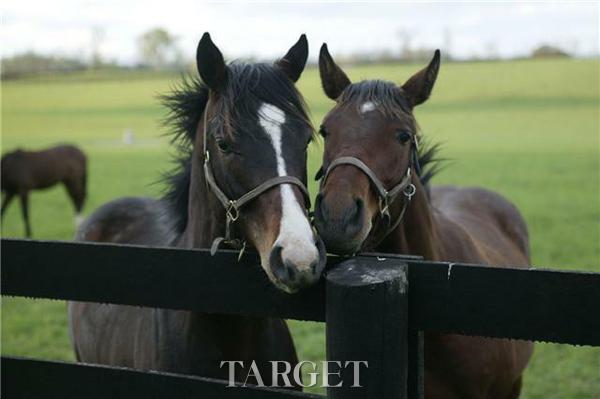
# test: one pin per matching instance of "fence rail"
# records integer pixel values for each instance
(30, 378)
(533, 304)
(405, 294)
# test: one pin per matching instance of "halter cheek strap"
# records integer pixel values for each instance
(233, 208)
(386, 197)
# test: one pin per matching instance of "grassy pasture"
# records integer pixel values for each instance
(528, 129)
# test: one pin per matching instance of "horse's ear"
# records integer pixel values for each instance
(210, 63)
(333, 79)
(419, 86)
(293, 63)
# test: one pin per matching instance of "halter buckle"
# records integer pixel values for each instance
(232, 211)
(384, 207)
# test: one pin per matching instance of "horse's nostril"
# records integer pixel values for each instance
(276, 264)
(313, 267)
(358, 209)
(359, 205)
(283, 269)
(291, 271)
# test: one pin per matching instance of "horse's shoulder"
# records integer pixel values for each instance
(467, 193)
(473, 201)
(480, 219)
(128, 220)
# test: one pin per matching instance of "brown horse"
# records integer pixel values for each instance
(373, 197)
(245, 131)
(23, 171)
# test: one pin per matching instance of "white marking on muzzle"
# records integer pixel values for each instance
(295, 234)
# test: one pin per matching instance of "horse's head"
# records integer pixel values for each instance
(254, 142)
(370, 152)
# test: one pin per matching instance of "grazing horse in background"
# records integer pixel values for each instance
(373, 197)
(23, 171)
(245, 131)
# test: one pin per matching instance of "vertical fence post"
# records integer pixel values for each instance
(367, 320)
(416, 363)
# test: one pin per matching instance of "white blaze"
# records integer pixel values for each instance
(368, 107)
(295, 234)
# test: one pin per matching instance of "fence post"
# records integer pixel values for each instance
(367, 315)
(416, 362)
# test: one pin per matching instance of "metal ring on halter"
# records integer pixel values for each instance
(409, 191)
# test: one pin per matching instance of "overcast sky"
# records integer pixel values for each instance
(266, 30)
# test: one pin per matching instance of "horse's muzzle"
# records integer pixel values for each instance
(341, 225)
(291, 274)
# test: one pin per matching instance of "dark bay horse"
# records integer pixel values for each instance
(23, 171)
(245, 132)
(374, 197)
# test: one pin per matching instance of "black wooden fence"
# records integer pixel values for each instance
(375, 307)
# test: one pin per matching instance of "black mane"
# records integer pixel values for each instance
(392, 103)
(247, 86)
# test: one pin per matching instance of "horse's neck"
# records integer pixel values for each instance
(417, 234)
(206, 221)
(206, 216)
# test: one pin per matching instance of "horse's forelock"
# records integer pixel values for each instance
(391, 102)
(248, 87)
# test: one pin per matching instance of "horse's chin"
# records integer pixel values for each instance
(280, 285)
(295, 286)
(347, 246)
(344, 248)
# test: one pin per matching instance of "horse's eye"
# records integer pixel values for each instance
(223, 146)
(323, 131)
(403, 136)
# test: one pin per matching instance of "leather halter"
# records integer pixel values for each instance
(386, 197)
(234, 207)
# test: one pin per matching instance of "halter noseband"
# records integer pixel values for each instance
(386, 197)
(233, 207)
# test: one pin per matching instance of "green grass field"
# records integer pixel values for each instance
(527, 129)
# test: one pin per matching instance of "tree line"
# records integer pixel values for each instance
(158, 50)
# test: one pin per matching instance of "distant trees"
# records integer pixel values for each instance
(158, 49)
(548, 51)
(30, 63)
